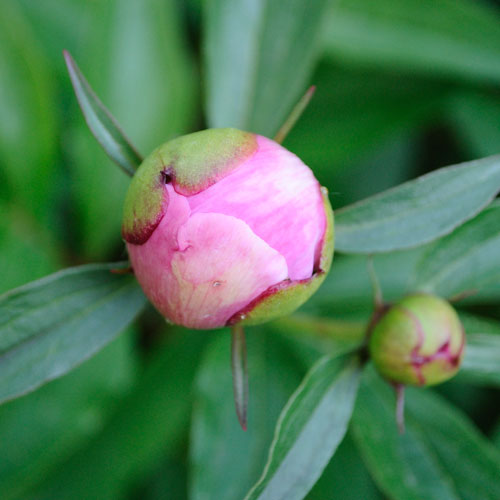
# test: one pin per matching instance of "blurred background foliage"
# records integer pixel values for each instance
(403, 87)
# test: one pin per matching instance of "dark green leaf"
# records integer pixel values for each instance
(441, 455)
(418, 211)
(346, 477)
(219, 448)
(464, 260)
(309, 429)
(403, 466)
(425, 36)
(43, 428)
(51, 325)
(470, 460)
(148, 424)
(255, 76)
(104, 127)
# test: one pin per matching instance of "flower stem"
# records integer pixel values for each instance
(294, 115)
(240, 373)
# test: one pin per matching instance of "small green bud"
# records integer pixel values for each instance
(419, 340)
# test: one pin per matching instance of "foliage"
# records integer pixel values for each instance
(140, 409)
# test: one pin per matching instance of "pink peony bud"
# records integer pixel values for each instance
(224, 226)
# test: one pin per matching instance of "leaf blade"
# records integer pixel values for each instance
(464, 260)
(53, 324)
(101, 123)
(418, 211)
(299, 452)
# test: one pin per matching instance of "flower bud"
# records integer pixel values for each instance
(418, 341)
(224, 226)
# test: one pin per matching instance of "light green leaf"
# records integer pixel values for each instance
(53, 324)
(469, 459)
(481, 363)
(259, 55)
(309, 429)
(465, 259)
(418, 211)
(424, 36)
(219, 448)
(403, 466)
(104, 127)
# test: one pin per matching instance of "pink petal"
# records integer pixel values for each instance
(279, 198)
(216, 266)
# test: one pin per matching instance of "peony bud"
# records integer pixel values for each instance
(418, 341)
(224, 226)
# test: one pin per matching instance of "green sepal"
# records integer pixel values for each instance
(191, 163)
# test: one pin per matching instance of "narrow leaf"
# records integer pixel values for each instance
(240, 373)
(53, 324)
(418, 211)
(102, 124)
(310, 428)
(464, 260)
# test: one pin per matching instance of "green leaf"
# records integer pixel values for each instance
(254, 77)
(219, 448)
(51, 325)
(481, 363)
(470, 460)
(419, 36)
(465, 259)
(403, 466)
(104, 127)
(441, 455)
(418, 211)
(309, 429)
(147, 425)
(42, 429)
